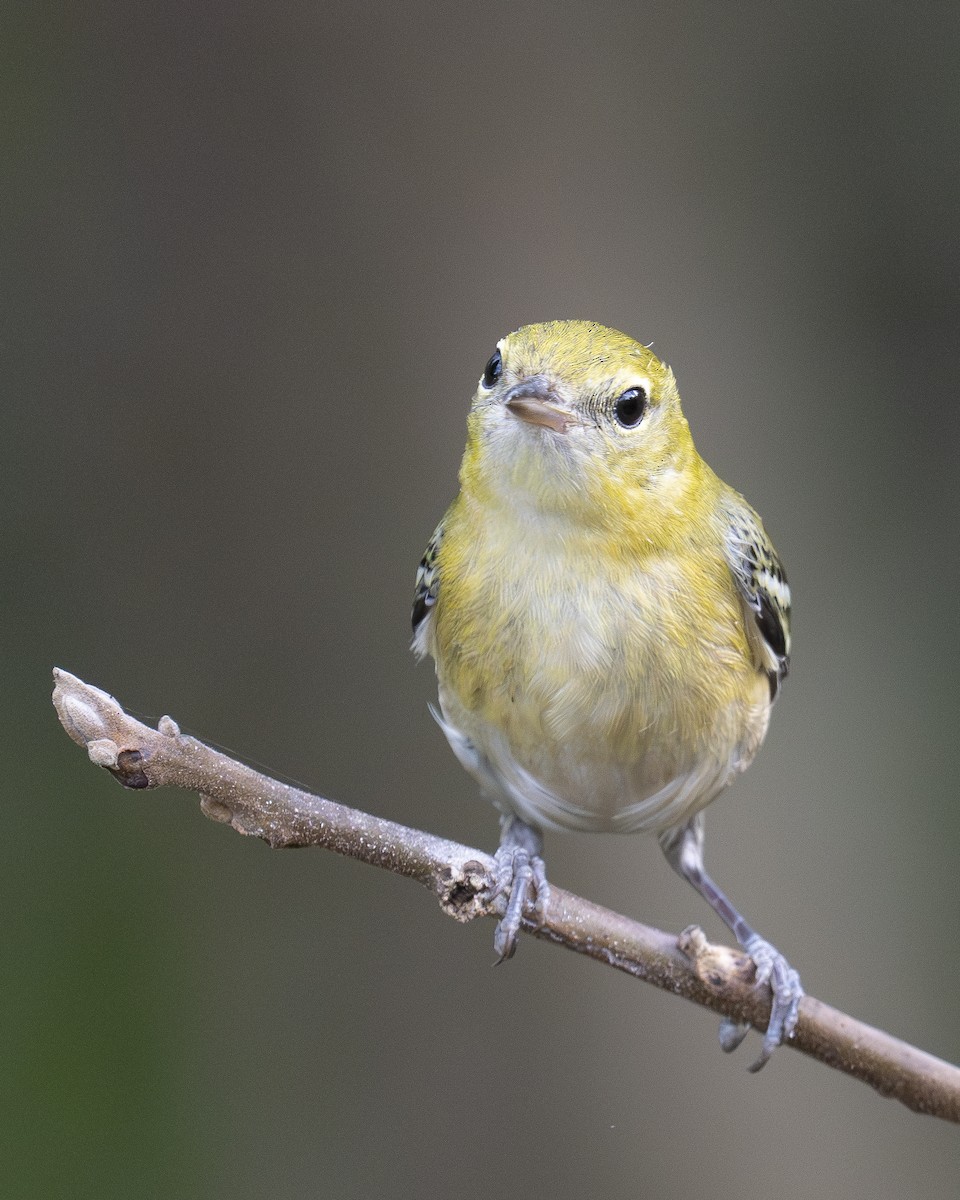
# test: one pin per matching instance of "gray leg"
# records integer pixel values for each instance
(683, 846)
(522, 876)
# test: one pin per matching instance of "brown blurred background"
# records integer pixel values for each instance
(254, 260)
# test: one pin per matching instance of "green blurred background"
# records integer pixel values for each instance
(254, 260)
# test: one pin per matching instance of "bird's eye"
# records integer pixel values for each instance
(493, 370)
(630, 407)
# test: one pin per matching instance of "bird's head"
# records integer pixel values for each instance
(575, 418)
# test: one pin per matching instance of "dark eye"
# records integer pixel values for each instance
(630, 407)
(493, 370)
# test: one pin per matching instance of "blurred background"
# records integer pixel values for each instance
(254, 260)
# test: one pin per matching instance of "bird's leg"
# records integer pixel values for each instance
(522, 877)
(683, 847)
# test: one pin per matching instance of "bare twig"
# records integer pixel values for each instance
(714, 976)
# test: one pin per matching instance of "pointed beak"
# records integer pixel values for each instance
(532, 401)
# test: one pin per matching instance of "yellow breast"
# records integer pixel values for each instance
(598, 689)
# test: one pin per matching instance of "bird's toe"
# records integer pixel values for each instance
(773, 968)
(522, 878)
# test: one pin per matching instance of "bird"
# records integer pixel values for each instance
(609, 621)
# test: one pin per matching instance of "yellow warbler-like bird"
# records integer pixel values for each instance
(609, 620)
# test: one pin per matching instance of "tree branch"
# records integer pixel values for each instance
(713, 976)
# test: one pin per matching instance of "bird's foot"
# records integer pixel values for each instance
(772, 968)
(522, 877)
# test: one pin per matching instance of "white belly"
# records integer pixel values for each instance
(584, 794)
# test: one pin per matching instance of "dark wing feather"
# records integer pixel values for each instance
(427, 588)
(763, 586)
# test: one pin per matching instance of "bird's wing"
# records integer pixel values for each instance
(763, 586)
(427, 589)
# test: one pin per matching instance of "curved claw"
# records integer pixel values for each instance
(787, 990)
(523, 877)
(731, 1034)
